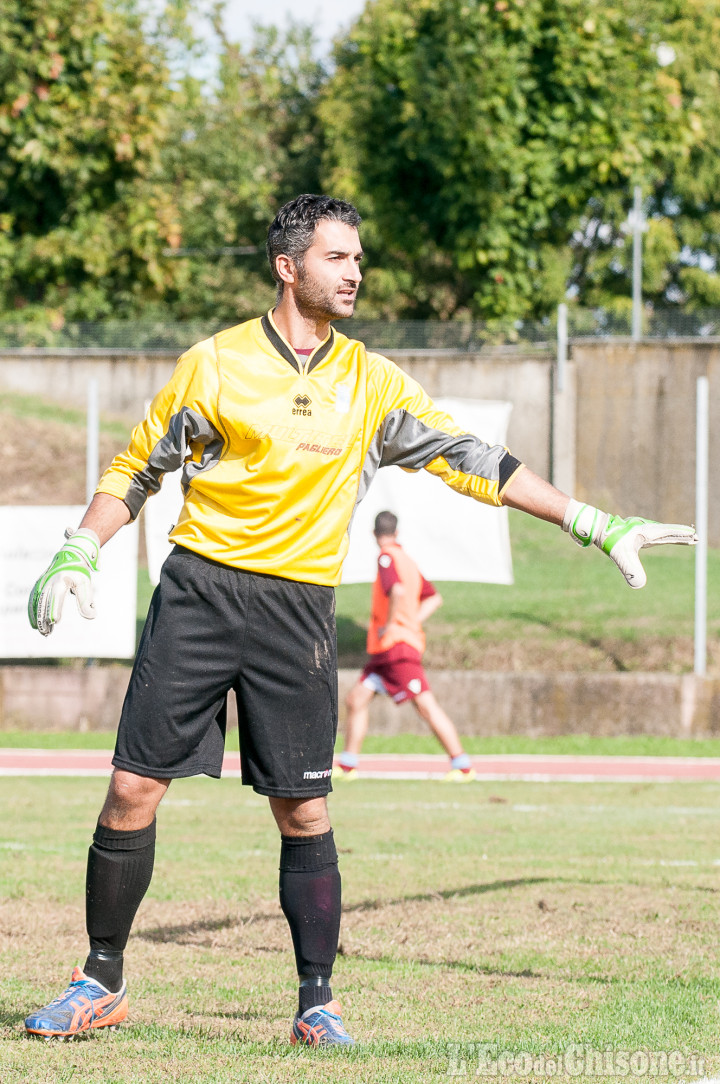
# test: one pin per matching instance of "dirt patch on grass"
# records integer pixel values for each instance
(554, 931)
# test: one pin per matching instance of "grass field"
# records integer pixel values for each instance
(529, 916)
(532, 917)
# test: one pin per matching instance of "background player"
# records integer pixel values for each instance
(402, 599)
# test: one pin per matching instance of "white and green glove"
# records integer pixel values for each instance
(622, 539)
(70, 570)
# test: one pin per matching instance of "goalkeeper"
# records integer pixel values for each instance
(279, 425)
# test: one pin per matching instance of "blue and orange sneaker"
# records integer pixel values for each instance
(320, 1026)
(84, 1005)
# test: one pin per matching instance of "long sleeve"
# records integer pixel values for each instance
(181, 427)
(410, 432)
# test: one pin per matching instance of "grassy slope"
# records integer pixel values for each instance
(568, 609)
(532, 916)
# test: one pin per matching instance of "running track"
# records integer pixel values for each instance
(535, 768)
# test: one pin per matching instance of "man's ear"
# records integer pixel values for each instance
(286, 269)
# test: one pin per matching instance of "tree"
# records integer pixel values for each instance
(493, 147)
(84, 103)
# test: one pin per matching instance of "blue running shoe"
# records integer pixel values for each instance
(320, 1026)
(84, 1005)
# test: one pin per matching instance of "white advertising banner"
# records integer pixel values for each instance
(160, 514)
(29, 538)
(450, 537)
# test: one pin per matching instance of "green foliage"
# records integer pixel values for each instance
(493, 148)
(84, 100)
(115, 161)
(491, 145)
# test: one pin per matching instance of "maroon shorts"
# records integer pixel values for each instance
(397, 673)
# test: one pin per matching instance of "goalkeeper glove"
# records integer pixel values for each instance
(621, 539)
(69, 570)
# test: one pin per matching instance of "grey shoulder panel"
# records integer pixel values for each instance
(409, 442)
(405, 441)
(185, 428)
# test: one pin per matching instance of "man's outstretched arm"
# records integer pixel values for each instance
(532, 494)
(621, 539)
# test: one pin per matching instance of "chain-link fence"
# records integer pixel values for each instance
(452, 336)
(656, 323)
(106, 335)
(407, 335)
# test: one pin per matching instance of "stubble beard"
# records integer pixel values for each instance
(316, 301)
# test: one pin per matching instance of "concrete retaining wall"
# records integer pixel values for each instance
(635, 413)
(550, 704)
(61, 698)
(126, 380)
(481, 703)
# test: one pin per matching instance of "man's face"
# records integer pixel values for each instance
(327, 282)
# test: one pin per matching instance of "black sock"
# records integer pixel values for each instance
(313, 990)
(310, 899)
(119, 870)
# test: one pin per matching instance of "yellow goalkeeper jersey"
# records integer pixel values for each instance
(277, 449)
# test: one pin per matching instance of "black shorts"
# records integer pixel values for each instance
(211, 628)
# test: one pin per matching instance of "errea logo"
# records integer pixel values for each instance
(302, 405)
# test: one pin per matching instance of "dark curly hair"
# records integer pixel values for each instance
(293, 228)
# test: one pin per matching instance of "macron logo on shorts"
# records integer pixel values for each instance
(318, 775)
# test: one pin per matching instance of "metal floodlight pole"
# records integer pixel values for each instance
(701, 523)
(92, 440)
(562, 344)
(637, 264)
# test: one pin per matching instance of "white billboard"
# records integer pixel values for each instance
(30, 536)
(160, 514)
